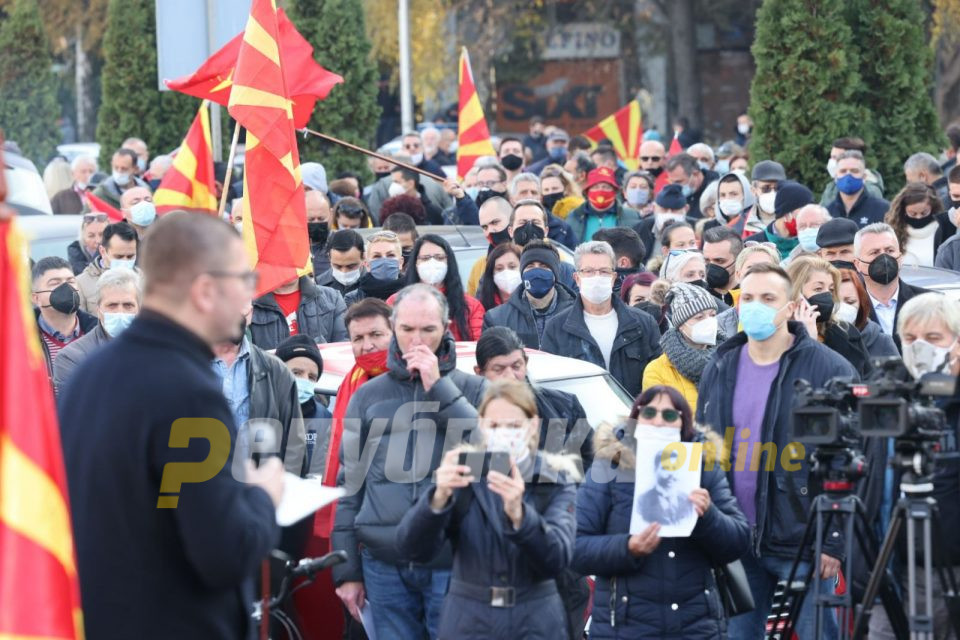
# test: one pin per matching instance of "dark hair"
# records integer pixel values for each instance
(488, 288)
(342, 187)
(676, 399)
(344, 240)
(583, 161)
(352, 208)
(954, 174)
(399, 222)
(452, 284)
(122, 230)
(715, 235)
(579, 143)
(953, 135)
(367, 308)
(685, 160)
(350, 174)
(406, 174)
(49, 264)
(536, 120)
(123, 151)
(496, 342)
(625, 243)
(912, 193)
(850, 143)
(412, 206)
(669, 229)
(606, 153)
(508, 139)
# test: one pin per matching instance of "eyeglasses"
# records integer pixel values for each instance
(651, 158)
(439, 257)
(94, 217)
(596, 272)
(489, 184)
(249, 278)
(668, 415)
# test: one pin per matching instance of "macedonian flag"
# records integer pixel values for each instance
(473, 135)
(624, 129)
(189, 183)
(39, 590)
(274, 211)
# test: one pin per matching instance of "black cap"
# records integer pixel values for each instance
(671, 197)
(300, 346)
(768, 171)
(790, 197)
(837, 233)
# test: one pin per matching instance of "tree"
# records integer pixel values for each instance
(806, 90)
(28, 86)
(132, 104)
(896, 67)
(336, 30)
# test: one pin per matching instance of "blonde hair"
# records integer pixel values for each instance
(570, 186)
(802, 268)
(383, 236)
(753, 250)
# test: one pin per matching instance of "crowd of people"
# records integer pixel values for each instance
(707, 283)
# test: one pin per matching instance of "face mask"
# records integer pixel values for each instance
(655, 172)
(558, 154)
(472, 192)
(499, 237)
(687, 191)
(143, 213)
(118, 263)
(921, 357)
(115, 323)
(507, 280)
(704, 332)
(385, 268)
(743, 129)
(723, 167)
(638, 197)
(791, 226)
(918, 223)
(239, 227)
(527, 233)
(141, 164)
(847, 313)
(824, 304)
(730, 207)
(767, 201)
(416, 158)
(832, 167)
(663, 219)
(601, 200)
(700, 283)
(318, 232)
(703, 165)
(550, 200)
(432, 271)
(849, 184)
(808, 239)
(509, 440)
(305, 389)
(757, 320)
(380, 175)
(82, 186)
(717, 276)
(395, 189)
(406, 253)
(538, 281)
(64, 298)
(511, 162)
(884, 269)
(596, 289)
(346, 278)
(122, 179)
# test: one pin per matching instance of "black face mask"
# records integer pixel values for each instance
(527, 233)
(511, 162)
(318, 232)
(64, 298)
(655, 172)
(717, 276)
(823, 302)
(918, 223)
(843, 264)
(406, 253)
(550, 200)
(700, 283)
(884, 269)
(499, 237)
(652, 308)
(381, 174)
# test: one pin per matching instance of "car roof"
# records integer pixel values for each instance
(931, 278)
(40, 230)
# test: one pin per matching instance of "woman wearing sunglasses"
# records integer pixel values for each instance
(648, 586)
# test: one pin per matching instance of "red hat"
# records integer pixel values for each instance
(602, 175)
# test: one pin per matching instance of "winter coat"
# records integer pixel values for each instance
(846, 340)
(626, 217)
(464, 211)
(76, 352)
(559, 230)
(948, 256)
(878, 344)
(670, 593)
(517, 313)
(637, 341)
(783, 497)
(87, 285)
(488, 552)
(109, 192)
(380, 494)
(88, 323)
(577, 434)
(273, 395)
(907, 292)
(866, 210)
(662, 371)
(78, 257)
(319, 316)
(728, 322)
(912, 245)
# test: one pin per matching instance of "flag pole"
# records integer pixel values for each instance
(226, 176)
(373, 154)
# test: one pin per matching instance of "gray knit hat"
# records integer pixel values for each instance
(685, 300)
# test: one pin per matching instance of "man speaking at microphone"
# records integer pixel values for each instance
(181, 565)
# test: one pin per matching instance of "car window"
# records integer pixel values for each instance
(50, 247)
(602, 397)
(26, 188)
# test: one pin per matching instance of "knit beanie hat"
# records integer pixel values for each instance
(537, 252)
(685, 301)
(675, 262)
(299, 346)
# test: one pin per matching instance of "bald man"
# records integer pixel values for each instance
(136, 205)
(652, 157)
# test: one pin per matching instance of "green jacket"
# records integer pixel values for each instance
(626, 217)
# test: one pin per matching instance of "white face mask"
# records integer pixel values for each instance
(663, 219)
(396, 189)
(704, 331)
(346, 278)
(508, 279)
(847, 313)
(416, 158)
(730, 208)
(512, 440)
(767, 201)
(743, 128)
(432, 271)
(596, 289)
(921, 357)
(832, 167)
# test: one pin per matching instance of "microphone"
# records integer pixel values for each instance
(310, 566)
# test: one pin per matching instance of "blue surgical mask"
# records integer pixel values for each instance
(687, 191)
(472, 192)
(122, 179)
(385, 268)
(723, 166)
(849, 184)
(305, 388)
(115, 323)
(538, 281)
(757, 320)
(141, 164)
(121, 263)
(638, 197)
(143, 213)
(558, 153)
(808, 239)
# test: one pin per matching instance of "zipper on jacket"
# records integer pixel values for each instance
(613, 602)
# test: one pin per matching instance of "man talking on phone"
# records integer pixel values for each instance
(394, 434)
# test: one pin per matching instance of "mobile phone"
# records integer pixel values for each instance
(481, 463)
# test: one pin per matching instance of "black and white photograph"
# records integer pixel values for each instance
(662, 490)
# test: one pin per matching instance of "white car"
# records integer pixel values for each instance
(25, 190)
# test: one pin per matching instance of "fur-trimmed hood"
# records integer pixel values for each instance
(618, 445)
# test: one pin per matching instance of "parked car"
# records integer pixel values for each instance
(72, 150)
(945, 281)
(25, 191)
(50, 235)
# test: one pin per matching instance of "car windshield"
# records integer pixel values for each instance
(602, 398)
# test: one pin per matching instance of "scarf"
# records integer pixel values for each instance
(369, 365)
(376, 288)
(686, 359)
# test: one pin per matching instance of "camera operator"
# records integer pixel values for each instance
(928, 326)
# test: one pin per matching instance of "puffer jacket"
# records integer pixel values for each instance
(626, 217)
(381, 489)
(517, 314)
(670, 593)
(488, 552)
(662, 371)
(320, 316)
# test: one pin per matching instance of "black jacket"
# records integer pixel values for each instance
(273, 396)
(464, 211)
(783, 497)
(637, 342)
(517, 314)
(866, 210)
(565, 428)
(381, 490)
(694, 200)
(559, 230)
(149, 572)
(320, 316)
(77, 257)
(846, 340)
(906, 292)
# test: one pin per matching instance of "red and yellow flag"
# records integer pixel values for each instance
(101, 206)
(473, 139)
(625, 130)
(274, 211)
(39, 590)
(189, 183)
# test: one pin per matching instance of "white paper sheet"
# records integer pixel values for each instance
(302, 497)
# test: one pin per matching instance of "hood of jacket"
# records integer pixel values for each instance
(446, 358)
(618, 445)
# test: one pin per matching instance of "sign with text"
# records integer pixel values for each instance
(579, 40)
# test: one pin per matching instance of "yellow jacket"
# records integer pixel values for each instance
(473, 281)
(662, 371)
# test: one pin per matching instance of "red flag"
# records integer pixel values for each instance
(624, 129)
(39, 590)
(96, 204)
(473, 135)
(675, 147)
(663, 179)
(189, 184)
(306, 80)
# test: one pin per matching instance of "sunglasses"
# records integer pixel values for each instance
(94, 217)
(669, 415)
(651, 158)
